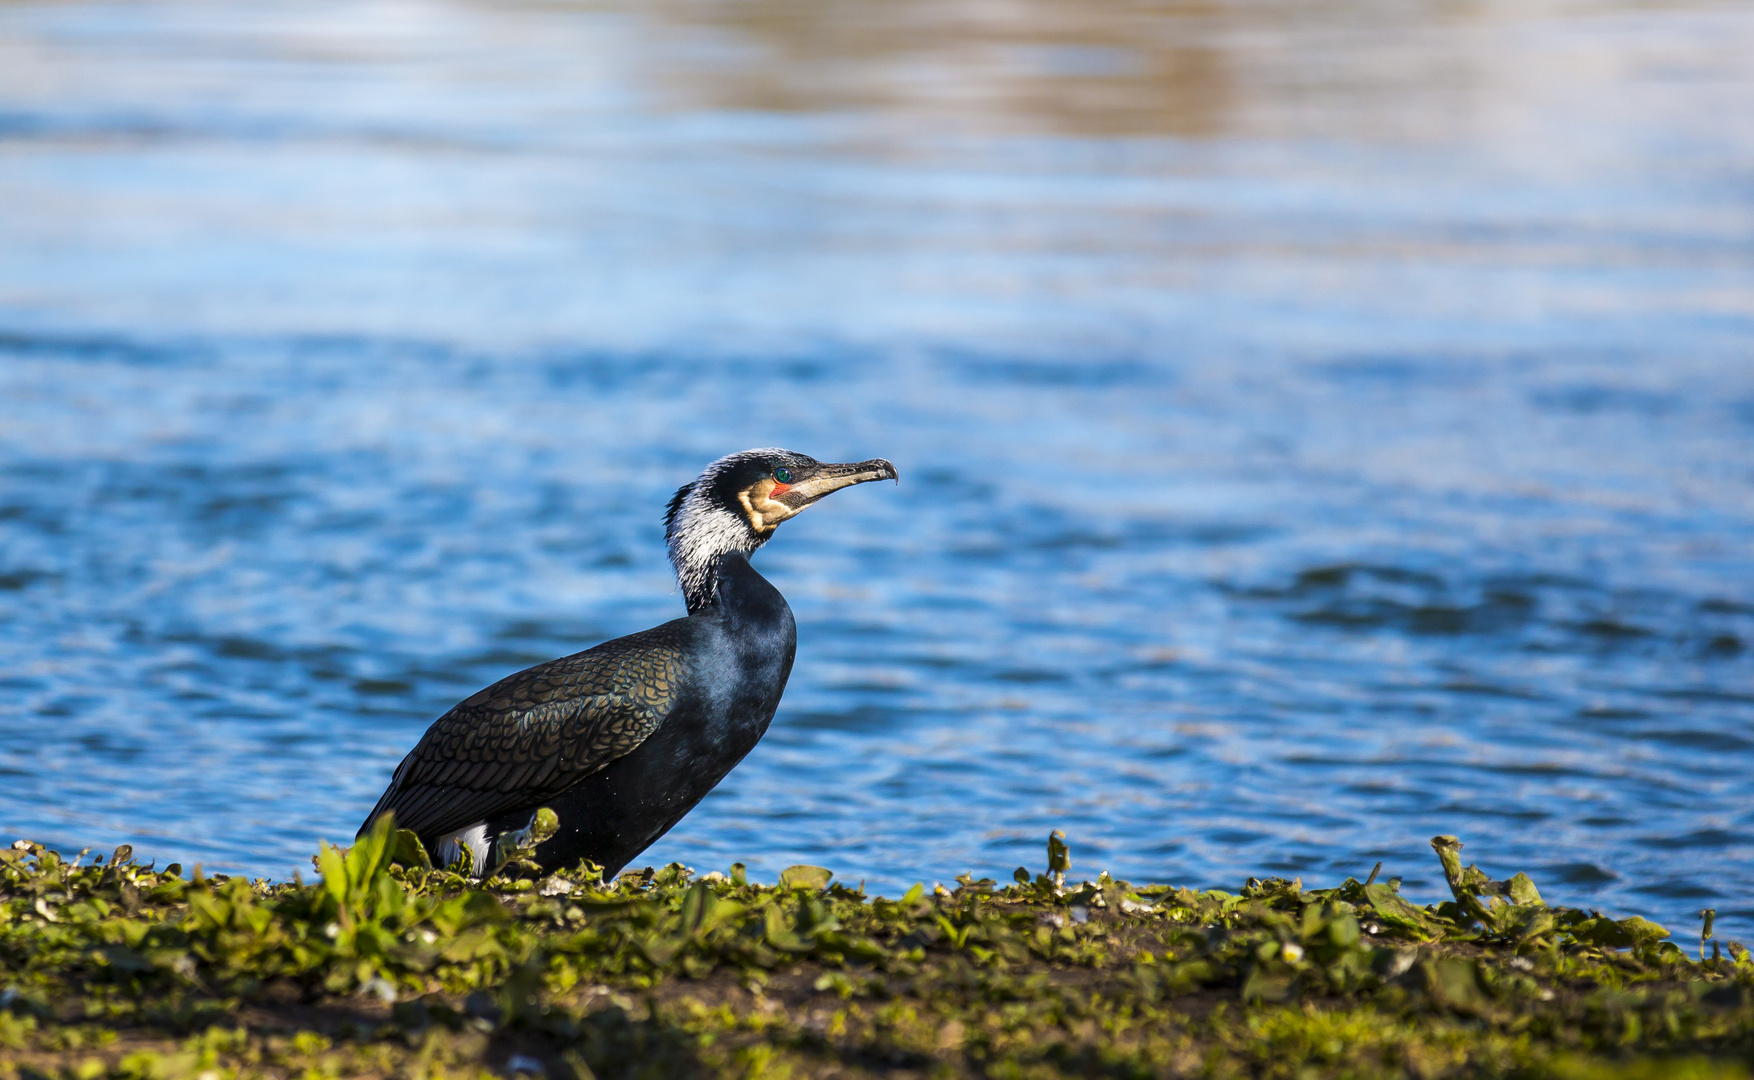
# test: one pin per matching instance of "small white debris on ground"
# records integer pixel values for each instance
(1403, 960)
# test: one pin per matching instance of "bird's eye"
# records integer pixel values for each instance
(783, 475)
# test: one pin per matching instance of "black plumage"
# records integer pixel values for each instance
(623, 739)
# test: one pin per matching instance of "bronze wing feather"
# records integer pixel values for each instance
(532, 735)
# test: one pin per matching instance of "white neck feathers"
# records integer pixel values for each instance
(701, 530)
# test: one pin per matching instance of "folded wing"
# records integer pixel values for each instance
(532, 735)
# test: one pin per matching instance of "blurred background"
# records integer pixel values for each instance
(1321, 424)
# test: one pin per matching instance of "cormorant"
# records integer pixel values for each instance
(623, 739)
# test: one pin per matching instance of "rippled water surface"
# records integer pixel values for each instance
(1321, 426)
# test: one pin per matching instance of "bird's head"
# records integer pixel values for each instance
(737, 503)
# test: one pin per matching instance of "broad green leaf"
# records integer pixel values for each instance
(1643, 930)
(815, 878)
(1396, 912)
(409, 851)
(1522, 890)
(697, 908)
(334, 870)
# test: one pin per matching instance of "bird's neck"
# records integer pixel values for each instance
(702, 538)
(739, 594)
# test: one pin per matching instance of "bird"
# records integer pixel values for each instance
(622, 740)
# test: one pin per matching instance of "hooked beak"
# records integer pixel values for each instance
(828, 478)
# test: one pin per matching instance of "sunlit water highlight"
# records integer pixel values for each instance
(1318, 431)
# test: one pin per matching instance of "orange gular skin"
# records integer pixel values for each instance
(763, 511)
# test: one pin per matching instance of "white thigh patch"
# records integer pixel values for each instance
(449, 847)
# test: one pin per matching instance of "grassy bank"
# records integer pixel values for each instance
(113, 969)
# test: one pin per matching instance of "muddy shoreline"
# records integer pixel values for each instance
(113, 968)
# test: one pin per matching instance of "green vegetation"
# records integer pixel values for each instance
(112, 969)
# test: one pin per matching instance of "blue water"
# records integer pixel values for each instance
(1319, 428)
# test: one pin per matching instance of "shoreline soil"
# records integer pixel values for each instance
(387, 967)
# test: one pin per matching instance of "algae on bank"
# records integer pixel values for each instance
(380, 969)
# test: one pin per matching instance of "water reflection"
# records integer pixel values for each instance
(1038, 67)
